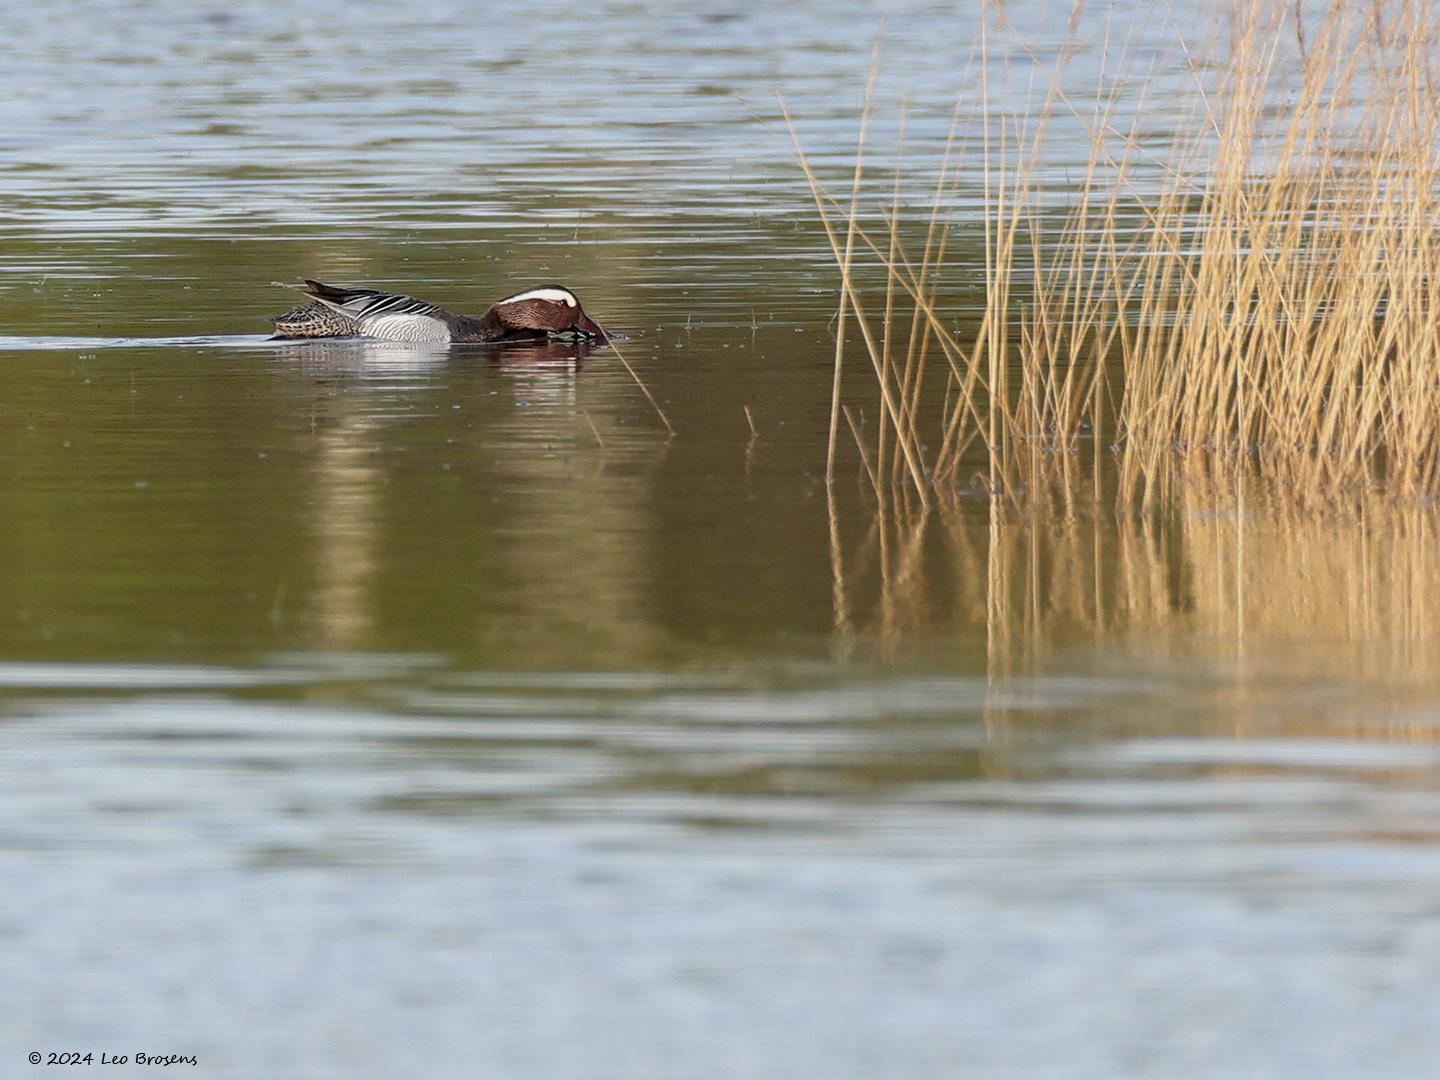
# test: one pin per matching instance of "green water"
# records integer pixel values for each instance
(374, 711)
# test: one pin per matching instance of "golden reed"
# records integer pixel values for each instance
(1266, 304)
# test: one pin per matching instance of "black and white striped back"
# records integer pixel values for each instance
(367, 303)
(386, 315)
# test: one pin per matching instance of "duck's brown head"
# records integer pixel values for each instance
(552, 309)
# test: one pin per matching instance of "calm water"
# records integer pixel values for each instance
(368, 711)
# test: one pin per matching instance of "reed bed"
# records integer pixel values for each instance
(1260, 297)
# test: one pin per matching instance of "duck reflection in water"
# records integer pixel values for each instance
(371, 358)
(375, 405)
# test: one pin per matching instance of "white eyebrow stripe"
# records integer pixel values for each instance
(559, 296)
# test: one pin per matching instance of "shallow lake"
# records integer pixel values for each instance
(377, 711)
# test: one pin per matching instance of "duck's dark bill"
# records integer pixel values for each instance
(589, 327)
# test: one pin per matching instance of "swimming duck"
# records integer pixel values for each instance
(339, 312)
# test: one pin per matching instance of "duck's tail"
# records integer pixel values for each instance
(314, 319)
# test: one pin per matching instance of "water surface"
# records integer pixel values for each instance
(374, 711)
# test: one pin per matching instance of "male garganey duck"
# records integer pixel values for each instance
(526, 316)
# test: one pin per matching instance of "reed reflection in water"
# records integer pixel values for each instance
(1223, 576)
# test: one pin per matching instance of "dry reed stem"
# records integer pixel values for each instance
(846, 260)
(860, 445)
(593, 429)
(904, 436)
(643, 388)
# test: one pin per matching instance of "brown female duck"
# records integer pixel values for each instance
(525, 316)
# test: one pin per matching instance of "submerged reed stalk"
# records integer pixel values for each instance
(1267, 301)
